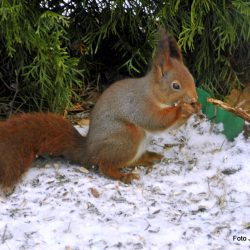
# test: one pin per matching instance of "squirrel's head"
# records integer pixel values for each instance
(173, 83)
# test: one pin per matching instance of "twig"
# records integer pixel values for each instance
(179, 219)
(239, 112)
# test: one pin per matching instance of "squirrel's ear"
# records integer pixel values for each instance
(166, 49)
(175, 51)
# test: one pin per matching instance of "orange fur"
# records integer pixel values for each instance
(24, 137)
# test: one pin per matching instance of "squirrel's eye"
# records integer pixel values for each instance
(176, 86)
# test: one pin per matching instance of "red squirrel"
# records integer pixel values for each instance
(120, 124)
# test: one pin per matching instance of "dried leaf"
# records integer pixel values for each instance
(95, 193)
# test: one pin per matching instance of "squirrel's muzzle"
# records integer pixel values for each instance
(189, 100)
(193, 101)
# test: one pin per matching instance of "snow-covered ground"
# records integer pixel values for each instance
(198, 197)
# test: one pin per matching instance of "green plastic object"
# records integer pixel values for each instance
(233, 125)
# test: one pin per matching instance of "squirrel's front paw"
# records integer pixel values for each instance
(187, 110)
(197, 107)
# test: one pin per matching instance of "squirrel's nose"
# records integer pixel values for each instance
(190, 100)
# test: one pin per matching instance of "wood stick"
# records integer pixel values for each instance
(237, 111)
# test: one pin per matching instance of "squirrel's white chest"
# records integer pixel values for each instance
(142, 148)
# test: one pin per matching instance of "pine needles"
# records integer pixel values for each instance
(42, 73)
(48, 46)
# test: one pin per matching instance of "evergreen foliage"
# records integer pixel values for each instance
(36, 68)
(48, 46)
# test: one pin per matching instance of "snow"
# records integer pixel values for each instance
(198, 197)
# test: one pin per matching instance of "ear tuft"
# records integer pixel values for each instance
(166, 48)
(162, 42)
(174, 49)
(161, 57)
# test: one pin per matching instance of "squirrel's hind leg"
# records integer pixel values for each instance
(118, 152)
(114, 172)
(113, 157)
(148, 159)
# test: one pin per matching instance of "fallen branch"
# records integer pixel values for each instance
(237, 111)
